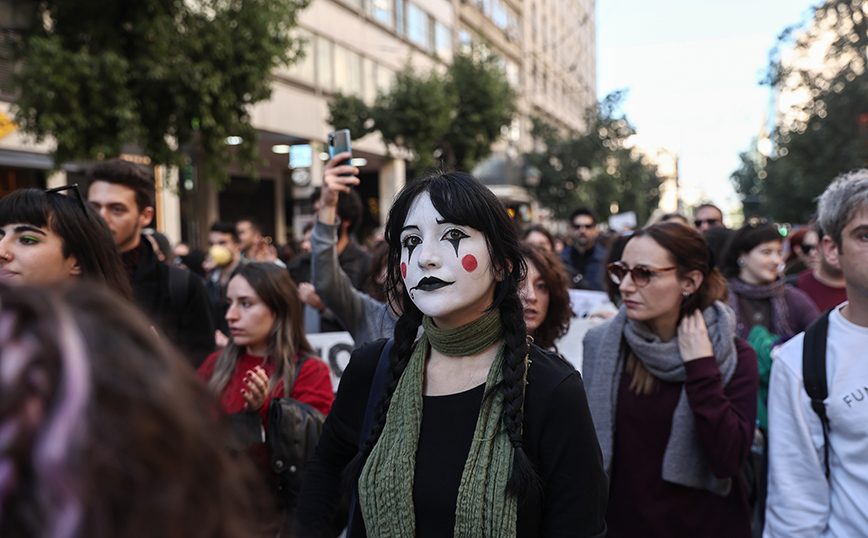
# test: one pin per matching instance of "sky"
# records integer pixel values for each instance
(692, 71)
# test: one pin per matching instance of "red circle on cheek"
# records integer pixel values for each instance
(403, 269)
(469, 263)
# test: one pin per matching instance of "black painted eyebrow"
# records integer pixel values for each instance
(21, 228)
(410, 227)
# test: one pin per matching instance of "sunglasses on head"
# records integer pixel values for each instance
(75, 192)
(640, 274)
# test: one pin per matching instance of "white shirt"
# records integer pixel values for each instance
(801, 502)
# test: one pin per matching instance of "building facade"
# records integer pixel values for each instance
(548, 49)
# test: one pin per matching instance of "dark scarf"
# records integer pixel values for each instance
(776, 292)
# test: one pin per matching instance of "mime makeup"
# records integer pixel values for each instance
(446, 266)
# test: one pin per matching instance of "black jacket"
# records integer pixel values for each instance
(186, 320)
(559, 439)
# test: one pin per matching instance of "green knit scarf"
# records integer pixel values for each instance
(483, 509)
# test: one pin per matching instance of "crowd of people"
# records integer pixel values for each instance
(139, 383)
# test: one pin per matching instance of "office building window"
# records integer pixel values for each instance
(385, 76)
(325, 63)
(400, 27)
(464, 41)
(443, 41)
(381, 11)
(305, 68)
(417, 26)
(369, 80)
(348, 71)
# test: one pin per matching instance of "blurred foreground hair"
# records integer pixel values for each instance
(107, 433)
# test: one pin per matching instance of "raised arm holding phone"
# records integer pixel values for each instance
(365, 318)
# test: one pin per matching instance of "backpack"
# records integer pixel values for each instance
(814, 373)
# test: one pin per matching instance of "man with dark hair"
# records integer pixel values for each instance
(224, 257)
(824, 283)
(253, 245)
(585, 259)
(353, 260)
(707, 216)
(123, 194)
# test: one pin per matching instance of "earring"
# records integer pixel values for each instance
(741, 262)
(685, 293)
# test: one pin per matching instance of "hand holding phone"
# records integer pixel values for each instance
(339, 142)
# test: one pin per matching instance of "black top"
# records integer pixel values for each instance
(448, 423)
(559, 438)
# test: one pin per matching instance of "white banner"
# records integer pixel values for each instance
(335, 349)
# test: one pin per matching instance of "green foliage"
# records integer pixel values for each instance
(593, 168)
(159, 74)
(350, 112)
(828, 134)
(448, 120)
(416, 114)
(748, 182)
(486, 105)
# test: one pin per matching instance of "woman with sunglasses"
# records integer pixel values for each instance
(48, 238)
(672, 392)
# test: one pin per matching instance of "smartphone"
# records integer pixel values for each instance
(339, 142)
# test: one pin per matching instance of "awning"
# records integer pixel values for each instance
(24, 159)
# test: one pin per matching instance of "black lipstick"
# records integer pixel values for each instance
(430, 283)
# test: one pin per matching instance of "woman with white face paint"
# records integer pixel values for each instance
(475, 432)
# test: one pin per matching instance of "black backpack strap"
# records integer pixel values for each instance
(814, 374)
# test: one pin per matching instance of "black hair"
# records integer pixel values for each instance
(616, 250)
(743, 241)
(83, 233)
(350, 209)
(539, 228)
(461, 199)
(583, 211)
(225, 227)
(717, 238)
(254, 223)
(130, 175)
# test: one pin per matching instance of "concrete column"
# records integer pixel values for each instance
(168, 203)
(279, 207)
(393, 175)
(58, 179)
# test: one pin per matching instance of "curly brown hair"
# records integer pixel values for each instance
(557, 320)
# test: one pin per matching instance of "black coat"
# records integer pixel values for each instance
(187, 324)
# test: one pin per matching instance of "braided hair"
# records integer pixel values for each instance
(461, 199)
